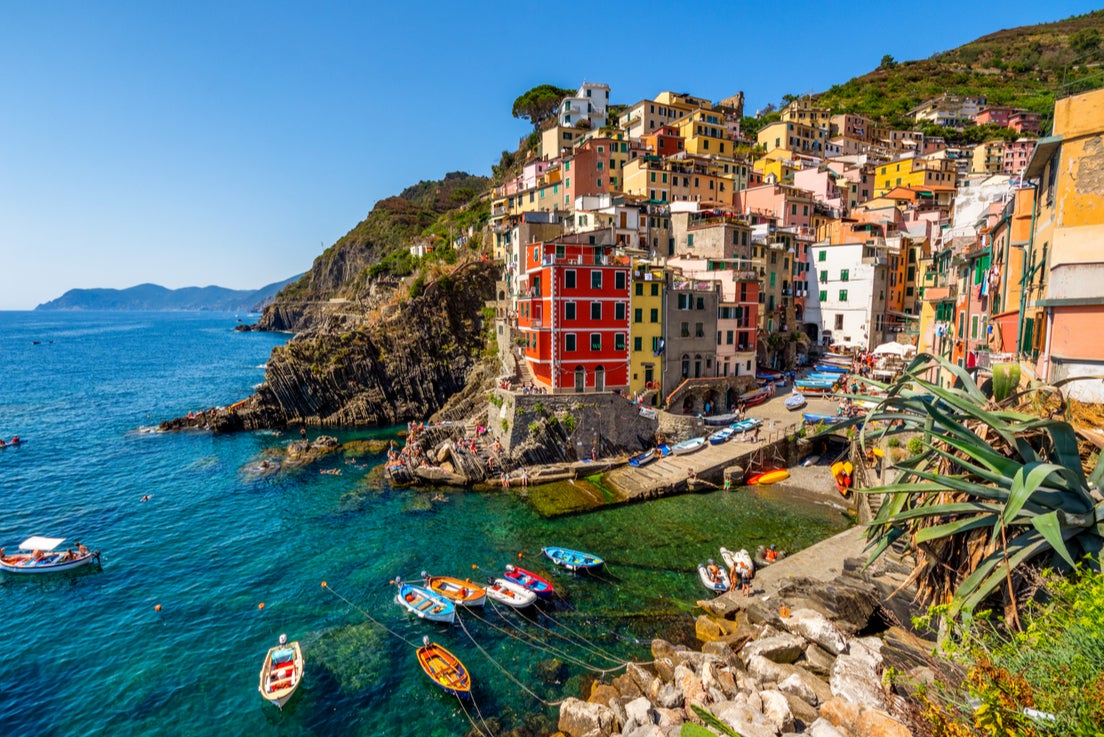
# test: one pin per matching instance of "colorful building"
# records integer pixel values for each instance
(646, 303)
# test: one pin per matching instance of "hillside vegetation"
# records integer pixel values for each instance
(1022, 67)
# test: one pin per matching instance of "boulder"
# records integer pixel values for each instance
(818, 660)
(640, 676)
(823, 728)
(668, 696)
(781, 649)
(815, 627)
(854, 679)
(579, 718)
(689, 685)
(803, 713)
(840, 712)
(776, 709)
(746, 721)
(718, 629)
(769, 672)
(638, 713)
(626, 686)
(796, 686)
(876, 723)
(647, 730)
(602, 693)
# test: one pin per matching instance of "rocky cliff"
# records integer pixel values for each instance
(399, 363)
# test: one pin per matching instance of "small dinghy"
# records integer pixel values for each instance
(573, 560)
(444, 669)
(714, 577)
(282, 672)
(511, 594)
(721, 436)
(738, 559)
(688, 446)
(795, 401)
(456, 590)
(761, 555)
(643, 459)
(40, 556)
(539, 585)
(425, 604)
(748, 423)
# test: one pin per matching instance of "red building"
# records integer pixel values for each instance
(573, 317)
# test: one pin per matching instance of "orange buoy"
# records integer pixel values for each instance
(261, 605)
(157, 608)
(519, 556)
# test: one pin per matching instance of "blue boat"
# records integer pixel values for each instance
(717, 420)
(823, 376)
(746, 424)
(424, 603)
(688, 446)
(644, 458)
(721, 435)
(832, 368)
(572, 560)
(815, 419)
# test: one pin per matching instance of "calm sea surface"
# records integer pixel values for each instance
(88, 654)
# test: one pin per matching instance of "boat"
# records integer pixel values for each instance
(509, 593)
(40, 557)
(573, 560)
(761, 556)
(714, 577)
(456, 590)
(841, 474)
(754, 397)
(444, 669)
(811, 460)
(721, 435)
(643, 459)
(823, 376)
(688, 446)
(725, 419)
(769, 477)
(748, 423)
(539, 585)
(738, 559)
(424, 603)
(795, 401)
(282, 672)
(831, 368)
(15, 442)
(664, 450)
(814, 419)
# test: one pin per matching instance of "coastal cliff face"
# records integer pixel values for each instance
(403, 365)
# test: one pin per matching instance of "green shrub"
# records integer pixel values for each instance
(534, 428)
(894, 442)
(569, 423)
(505, 425)
(915, 446)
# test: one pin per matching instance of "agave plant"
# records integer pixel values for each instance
(991, 491)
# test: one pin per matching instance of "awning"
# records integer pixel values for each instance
(41, 543)
(1044, 150)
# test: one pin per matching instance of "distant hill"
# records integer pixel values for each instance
(153, 297)
(1023, 67)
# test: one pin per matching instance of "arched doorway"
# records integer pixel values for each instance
(685, 366)
(580, 379)
(599, 379)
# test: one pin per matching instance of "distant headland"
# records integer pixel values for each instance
(153, 297)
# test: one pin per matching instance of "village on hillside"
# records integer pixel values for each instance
(662, 247)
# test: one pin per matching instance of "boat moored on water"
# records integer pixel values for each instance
(714, 577)
(688, 446)
(764, 557)
(424, 603)
(539, 585)
(456, 590)
(444, 669)
(738, 559)
(509, 593)
(40, 556)
(573, 560)
(282, 672)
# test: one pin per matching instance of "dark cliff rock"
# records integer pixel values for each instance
(401, 367)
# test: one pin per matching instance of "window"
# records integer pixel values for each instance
(619, 341)
(638, 344)
(655, 290)
(639, 289)
(823, 275)
(684, 301)
(595, 310)
(684, 330)
(839, 322)
(595, 341)
(822, 255)
(569, 310)
(690, 240)
(823, 295)
(728, 337)
(569, 342)
(653, 317)
(701, 303)
(638, 315)
(619, 280)
(699, 330)
(844, 274)
(569, 279)
(596, 279)
(843, 295)
(619, 311)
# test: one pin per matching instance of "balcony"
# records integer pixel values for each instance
(876, 261)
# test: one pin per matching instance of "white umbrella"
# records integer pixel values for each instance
(894, 348)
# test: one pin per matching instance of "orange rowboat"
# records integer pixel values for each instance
(444, 669)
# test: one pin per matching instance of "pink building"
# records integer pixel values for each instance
(792, 206)
(822, 184)
(1016, 155)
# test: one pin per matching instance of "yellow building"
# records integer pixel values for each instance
(678, 180)
(796, 137)
(778, 163)
(704, 133)
(988, 157)
(646, 329)
(804, 111)
(914, 171)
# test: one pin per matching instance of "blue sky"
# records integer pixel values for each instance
(228, 143)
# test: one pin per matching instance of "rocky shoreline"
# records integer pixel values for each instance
(809, 652)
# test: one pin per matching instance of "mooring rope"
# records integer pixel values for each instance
(484, 730)
(368, 616)
(505, 671)
(578, 638)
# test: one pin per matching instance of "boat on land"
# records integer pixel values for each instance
(425, 604)
(444, 669)
(40, 556)
(811, 460)
(831, 368)
(748, 423)
(795, 401)
(761, 556)
(823, 376)
(688, 446)
(663, 450)
(644, 458)
(539, 585)
(841, 474)
(456, 590)
(738, 559)
(754, 397)
(770, 476)
(815, 419)
(714, 577)
(725, 419)
(721, 435)
(281, 673)
(573, 560)
(511, 594)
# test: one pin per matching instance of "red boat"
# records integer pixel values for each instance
(540, 586)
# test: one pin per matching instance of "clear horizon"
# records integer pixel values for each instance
(230, 144)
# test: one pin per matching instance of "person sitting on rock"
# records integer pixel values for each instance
(771, 555)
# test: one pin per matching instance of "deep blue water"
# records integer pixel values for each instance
(88, 654)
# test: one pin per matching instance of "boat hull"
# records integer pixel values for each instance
(425, 604)
(717, 585)
(643, 459)
(688, 446)
(510, 594)
(815, 419)
(539, 585)
(761, 556)
(573, 560)
(456, 590)
(738, 559)
(721, 436)
(281, 673)
(22, 564)
(795, 402)
(445, 670)
(769, 477)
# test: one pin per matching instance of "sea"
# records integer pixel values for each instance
(208, 556)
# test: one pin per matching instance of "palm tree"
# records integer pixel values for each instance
(992, 490)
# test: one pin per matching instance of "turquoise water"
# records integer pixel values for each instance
(87, 654)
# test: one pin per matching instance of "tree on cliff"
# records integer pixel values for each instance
(539, 103)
